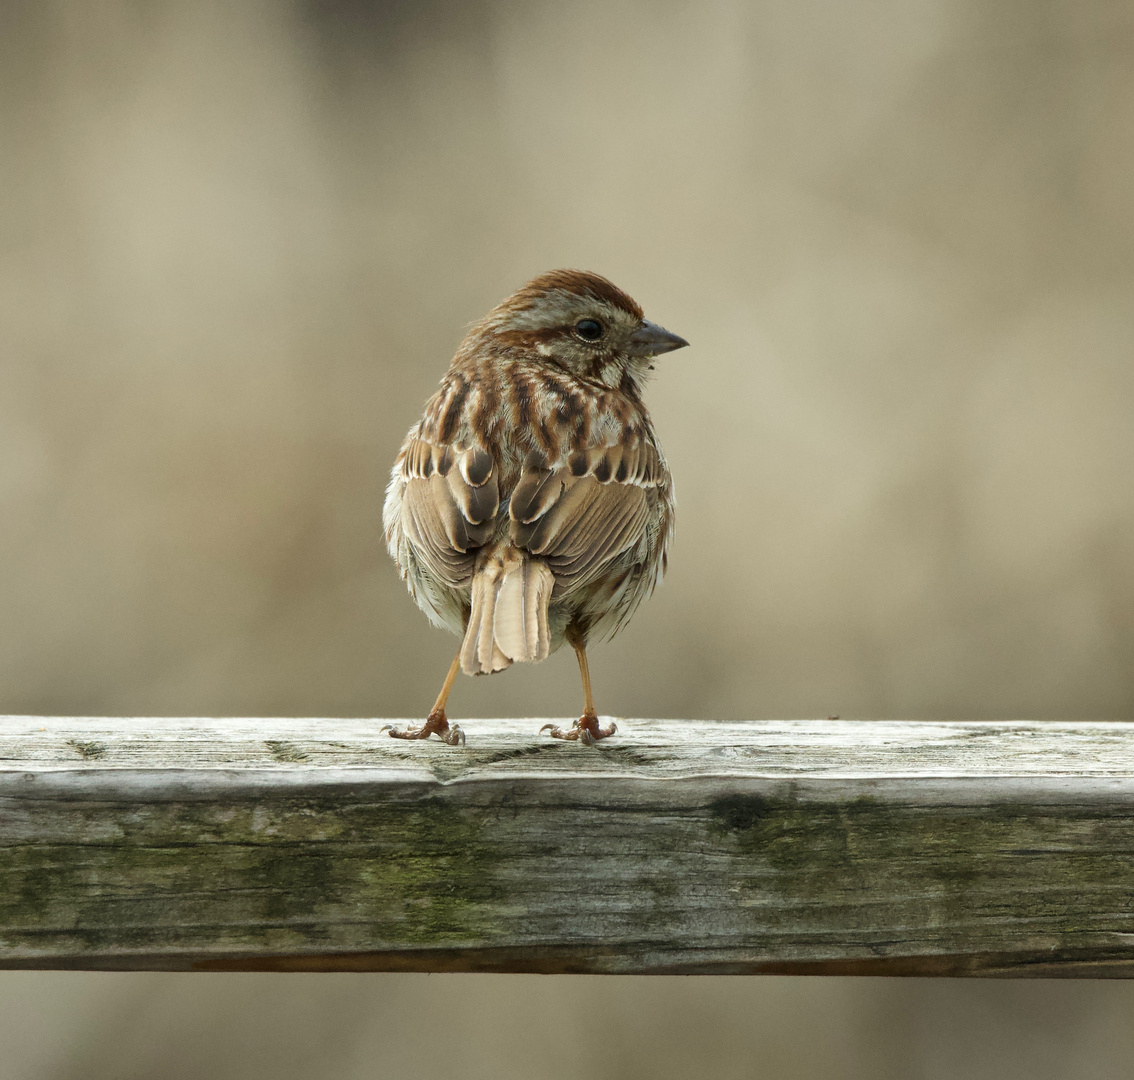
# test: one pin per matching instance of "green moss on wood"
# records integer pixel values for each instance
(1058, 869)
(88, 751)
(285, 751)
(467, 867)
(410, 873)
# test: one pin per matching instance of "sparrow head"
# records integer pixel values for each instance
(580, 322)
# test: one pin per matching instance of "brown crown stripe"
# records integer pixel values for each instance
(577, 282)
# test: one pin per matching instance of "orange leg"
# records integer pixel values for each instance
(437, 722)
(586, 729)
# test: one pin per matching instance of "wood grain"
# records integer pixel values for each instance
(805, 846)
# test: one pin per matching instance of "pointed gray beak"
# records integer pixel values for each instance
(653, 340)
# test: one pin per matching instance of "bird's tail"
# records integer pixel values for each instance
(510, 593)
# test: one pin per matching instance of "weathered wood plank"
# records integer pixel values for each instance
(827, 846)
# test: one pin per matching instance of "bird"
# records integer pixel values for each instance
(531, 505)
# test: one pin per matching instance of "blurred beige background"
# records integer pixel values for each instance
(238, 244)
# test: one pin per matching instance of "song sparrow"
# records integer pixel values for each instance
(531, 504)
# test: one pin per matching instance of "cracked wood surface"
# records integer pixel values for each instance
(824, 846)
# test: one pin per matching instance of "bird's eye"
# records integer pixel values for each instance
(588, 329)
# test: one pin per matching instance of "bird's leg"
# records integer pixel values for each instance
(437, 722)
(586, 729)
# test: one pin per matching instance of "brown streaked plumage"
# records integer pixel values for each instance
(531, 504)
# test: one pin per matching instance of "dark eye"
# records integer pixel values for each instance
(588, 329)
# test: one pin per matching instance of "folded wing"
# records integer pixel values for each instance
(449, 506)
(587, 511)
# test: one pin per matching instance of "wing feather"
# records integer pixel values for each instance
(587, 509)
(449, 512)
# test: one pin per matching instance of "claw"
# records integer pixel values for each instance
(410, 733)
(585, 730)
(454, 736)
(437, 724)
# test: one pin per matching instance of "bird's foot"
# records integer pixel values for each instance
(437, 724)
(586, 730)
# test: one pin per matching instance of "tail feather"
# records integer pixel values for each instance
(510, 594)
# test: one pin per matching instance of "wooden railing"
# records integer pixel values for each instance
(807, 846)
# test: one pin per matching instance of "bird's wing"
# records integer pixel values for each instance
(585, 511)
(449, 505)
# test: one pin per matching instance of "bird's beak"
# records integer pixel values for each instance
(653, 340)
